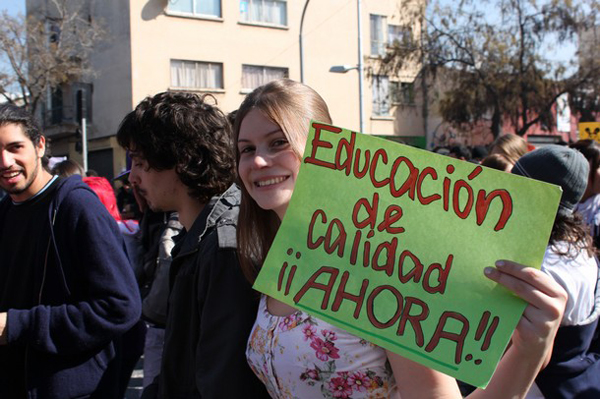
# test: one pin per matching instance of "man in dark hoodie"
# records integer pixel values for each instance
(67, 290)
(182, 160)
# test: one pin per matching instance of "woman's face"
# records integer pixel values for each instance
(593, 187)
(268, 165)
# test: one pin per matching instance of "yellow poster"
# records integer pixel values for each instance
(589, 130)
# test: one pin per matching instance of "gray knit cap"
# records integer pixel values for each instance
(558, 165)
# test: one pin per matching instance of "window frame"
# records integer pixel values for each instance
(382, 42)
(377, 100)
(193, 13)
(404, 32)
(246, 13)
(220, 78)
(402, 93)
(245, 90)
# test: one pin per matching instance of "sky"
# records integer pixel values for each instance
(13, 6)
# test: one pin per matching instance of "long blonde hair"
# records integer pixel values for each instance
(291, 105)
(511, 146)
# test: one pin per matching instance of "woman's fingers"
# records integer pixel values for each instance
(546, 298)
(534, 286)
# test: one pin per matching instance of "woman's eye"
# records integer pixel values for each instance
(280, 142)
(245, 150)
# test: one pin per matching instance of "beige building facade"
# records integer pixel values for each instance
(226, 48)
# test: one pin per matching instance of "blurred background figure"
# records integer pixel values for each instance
(589, 207)
(511, 146)
(129, 207)
(478, 153)
(497, 161)
(132, 342)
(461, 152)
(67, 168)
(574, 367)
(104, 190)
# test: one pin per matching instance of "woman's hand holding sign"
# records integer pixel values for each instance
(533, 338)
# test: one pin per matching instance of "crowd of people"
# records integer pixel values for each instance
(85, 291)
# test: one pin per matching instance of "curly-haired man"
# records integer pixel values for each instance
(182, 160)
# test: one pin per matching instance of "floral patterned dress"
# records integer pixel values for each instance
(301, 357)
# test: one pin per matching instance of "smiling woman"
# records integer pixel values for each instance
(297, 354)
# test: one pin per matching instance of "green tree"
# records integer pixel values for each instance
(498, 55)
(50, 47)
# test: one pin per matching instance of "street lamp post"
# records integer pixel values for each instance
(359, 67)
(84, 150)
(301, 47)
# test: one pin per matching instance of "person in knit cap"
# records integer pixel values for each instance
(589, 207)
(574, 369)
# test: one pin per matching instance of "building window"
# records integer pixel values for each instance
(53, 32)
(402, 93)
(381, 96)
(196, 75)
(398, 35)
(272, 12)
(200, 8)
(378, 34)
(56, 107)
(254, 76)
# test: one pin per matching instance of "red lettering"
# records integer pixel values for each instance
(371, 210)
(416, 271)
(390, 249)
(310, 242)
(455, 199)
(428, 171)
(318, 143)
(410, 182)
(483, 205)
(339, 242)
(371, 307)
(312, 284)
(442, 278)
(341, 294)
(380, 152)
(348, 148)
(458, 338)
(359, 174)
(415, 320)
(393, 213)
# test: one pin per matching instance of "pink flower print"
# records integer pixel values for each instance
(359, 381)
(325, 349)
(339, 388)
(289, 322)
(309, 332)
(329, 335)
(311, 374)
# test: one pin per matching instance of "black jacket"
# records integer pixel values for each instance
(212, 309)
(86, 299)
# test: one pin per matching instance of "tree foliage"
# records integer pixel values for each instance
(499, 54)
(45, 50)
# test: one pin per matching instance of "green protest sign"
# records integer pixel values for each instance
(389, 243)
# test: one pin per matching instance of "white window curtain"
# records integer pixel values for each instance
(265, 11)
(255, 76)
(208, 7)
(184, 6)
(378, 33)
(196, 7)
(196, 75)
(381, 96)
(398, 34)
